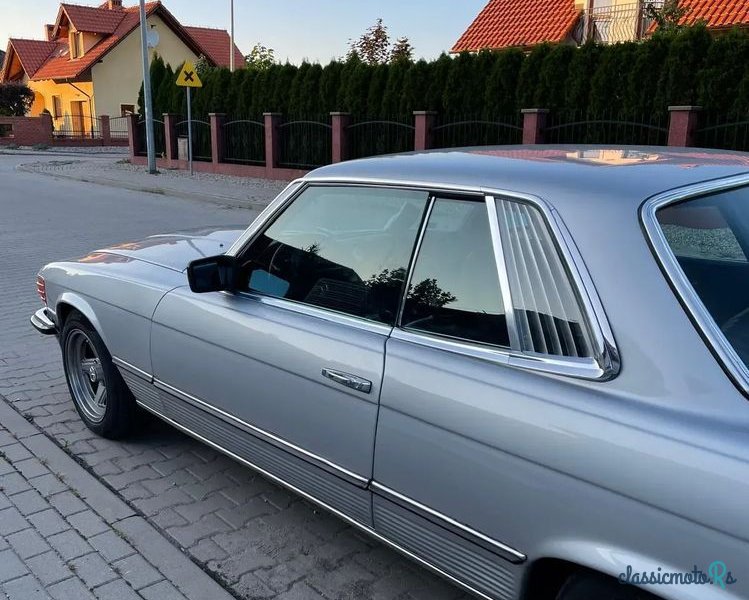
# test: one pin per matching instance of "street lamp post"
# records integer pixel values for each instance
(147, 98)
(231, 43)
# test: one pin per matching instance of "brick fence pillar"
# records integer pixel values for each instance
(682, 125)
(170, 136)
(272, 140)
(534, 124)
(217, 137)
(106, 130)
(340, 122)
(424, 121)
(48, 127)
(133, 134)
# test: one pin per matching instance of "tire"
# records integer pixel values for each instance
(101, 397)
(590, 586)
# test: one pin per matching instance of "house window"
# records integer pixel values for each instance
(127, 109)
(56, 107)
(76, 44)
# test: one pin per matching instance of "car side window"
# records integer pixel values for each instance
(454, 289)
(342, 248)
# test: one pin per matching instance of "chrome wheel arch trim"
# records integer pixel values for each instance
(606, 363)
(341, 515)
(678, 281)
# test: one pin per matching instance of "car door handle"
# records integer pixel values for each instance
(350, 381)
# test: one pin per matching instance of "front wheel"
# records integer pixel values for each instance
(99, 393)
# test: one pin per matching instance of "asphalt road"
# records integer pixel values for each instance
(258, 539)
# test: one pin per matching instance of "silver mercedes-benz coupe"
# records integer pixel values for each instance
(523, 367)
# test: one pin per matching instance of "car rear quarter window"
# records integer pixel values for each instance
(709, 237)
(547, 312)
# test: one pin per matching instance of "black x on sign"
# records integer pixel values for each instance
(188, 77)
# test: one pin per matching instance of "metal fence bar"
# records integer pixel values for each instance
(725, 131)
(305, 143)
(372, 136)
(244, 142)
(454, 131)
(201, 138)
(159, 132)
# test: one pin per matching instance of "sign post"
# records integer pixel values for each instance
(188, 78)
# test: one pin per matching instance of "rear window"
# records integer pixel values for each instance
(709, 237)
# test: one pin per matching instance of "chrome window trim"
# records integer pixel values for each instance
(685, 292)
(309, 310)
(514, 556)
(606, 362)
(504, 279)
(341, 515)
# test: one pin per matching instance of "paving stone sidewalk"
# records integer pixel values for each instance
(63, 535)
(238, 192)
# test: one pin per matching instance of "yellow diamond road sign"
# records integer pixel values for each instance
(188, 77)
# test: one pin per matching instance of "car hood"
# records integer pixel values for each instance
(171, 250)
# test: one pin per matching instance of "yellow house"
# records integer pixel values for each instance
(90, 62)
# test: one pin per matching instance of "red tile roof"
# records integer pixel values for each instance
(91, 19)
(508, 23)
(716, 13)
(31, 53)
(215, 43)
(43, 60)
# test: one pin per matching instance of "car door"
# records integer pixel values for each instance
(448, 485)
(285, 373)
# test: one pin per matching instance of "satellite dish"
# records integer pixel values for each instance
(153, 38)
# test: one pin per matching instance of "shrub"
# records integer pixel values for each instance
(15, 99)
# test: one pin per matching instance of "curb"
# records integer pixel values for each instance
(213, 198)
(189, 578)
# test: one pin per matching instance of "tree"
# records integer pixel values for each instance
(202, 66)
(667, 17)
(260, 58)
(15, 99)
(402, 50)
(373, 47)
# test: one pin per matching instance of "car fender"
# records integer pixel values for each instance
(613, 561)
(79, 303)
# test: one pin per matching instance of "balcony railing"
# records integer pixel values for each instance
(612, 24)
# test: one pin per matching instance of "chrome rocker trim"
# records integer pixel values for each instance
(43, 323)
(341, 515)
(132, 368)
(445, 522)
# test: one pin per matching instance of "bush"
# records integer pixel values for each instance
(628, 80)
(15, 99)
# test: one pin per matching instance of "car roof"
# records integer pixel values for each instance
(559, 174)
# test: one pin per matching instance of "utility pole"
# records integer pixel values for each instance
(231, 43)
(147, 97)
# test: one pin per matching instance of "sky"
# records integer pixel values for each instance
(316, 30)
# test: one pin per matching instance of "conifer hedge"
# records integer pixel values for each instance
(631, 80)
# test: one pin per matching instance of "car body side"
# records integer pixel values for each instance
(648, 469)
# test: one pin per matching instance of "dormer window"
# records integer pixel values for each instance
(75, 39)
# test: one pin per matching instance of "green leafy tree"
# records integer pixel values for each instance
(157, 72)
(553, 77)
(584, 62)
(296, 90)
(678, 84)
(330, 81)
(244, 100)
(402, 50)
(15, 99)
(643, 76)
(202, 66)
(501, 85)
(529, 76)
(724, 68)
(608, 86)
(415, 88)
(260, 58)
(347, 70)
(309, 96)
(373, 46)
(281, 78)
(357, 89)
(439, 71)
(460, 96)
(235, 90)
(668, 16)
(391, 98)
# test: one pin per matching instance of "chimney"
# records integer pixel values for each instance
(114, 4)
(48, 29)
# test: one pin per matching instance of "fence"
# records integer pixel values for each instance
(605, 128)
(280, 148)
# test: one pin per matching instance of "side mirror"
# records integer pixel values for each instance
(213, 274)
